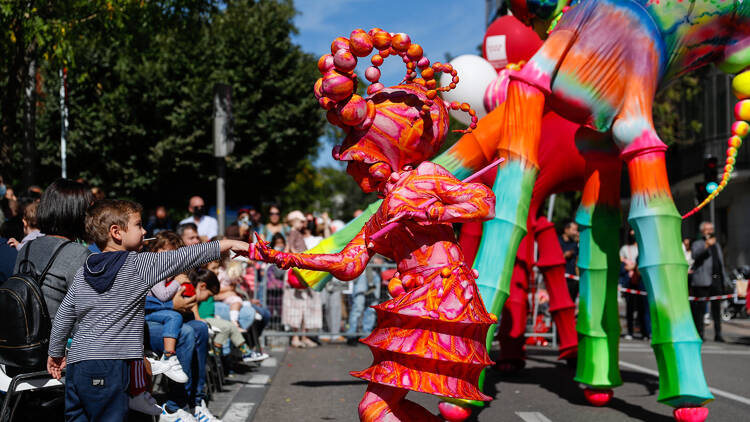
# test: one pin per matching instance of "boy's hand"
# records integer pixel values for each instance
(236, 246)
(55, 366)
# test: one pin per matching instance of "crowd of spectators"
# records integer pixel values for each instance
(215, 306)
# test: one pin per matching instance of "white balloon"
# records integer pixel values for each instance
(474, 76)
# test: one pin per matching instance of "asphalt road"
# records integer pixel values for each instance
(314, 385)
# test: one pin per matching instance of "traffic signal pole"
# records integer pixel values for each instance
(222, 147)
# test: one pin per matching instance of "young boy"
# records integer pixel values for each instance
(106, 300)
(206, 286)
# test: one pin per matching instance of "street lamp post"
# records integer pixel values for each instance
(223, 146)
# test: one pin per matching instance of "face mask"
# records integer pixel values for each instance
(245, 221)
(199, 211)
(279, 248)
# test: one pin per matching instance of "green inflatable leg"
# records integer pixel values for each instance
(598, 318)
(664, 270)
(598, 323)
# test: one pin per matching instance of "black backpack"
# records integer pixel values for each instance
(25, 331)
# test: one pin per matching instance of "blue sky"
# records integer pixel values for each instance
(439, 26)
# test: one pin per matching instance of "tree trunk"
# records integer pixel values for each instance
(29, 125)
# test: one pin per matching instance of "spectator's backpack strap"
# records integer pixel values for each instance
(51, 261)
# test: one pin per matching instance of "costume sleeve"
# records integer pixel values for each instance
(345, 265)
(461, 202)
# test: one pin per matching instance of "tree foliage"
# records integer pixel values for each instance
(674, 121)
(140, 88)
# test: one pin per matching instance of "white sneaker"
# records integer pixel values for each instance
(254, 356)
(202, 414)
(178, 416)
(170, 367)
(144, 403)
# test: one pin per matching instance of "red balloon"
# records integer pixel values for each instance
(508, 40)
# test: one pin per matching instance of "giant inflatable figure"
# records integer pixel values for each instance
(561, 169)
(601, 67)
(430, 336)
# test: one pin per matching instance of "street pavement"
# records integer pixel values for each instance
(315, 385)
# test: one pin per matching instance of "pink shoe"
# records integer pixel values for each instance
(452, 412)
(598, 397)
(690, 414)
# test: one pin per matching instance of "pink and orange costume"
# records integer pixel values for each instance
(430, 337)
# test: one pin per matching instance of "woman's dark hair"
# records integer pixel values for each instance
(62, 210)
(203, 275)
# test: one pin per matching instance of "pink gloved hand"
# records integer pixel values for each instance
(264, 253)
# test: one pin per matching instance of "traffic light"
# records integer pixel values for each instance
(711, 169)
(710, 178)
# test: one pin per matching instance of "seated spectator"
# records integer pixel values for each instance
(11, 225)
(207, 285)
(245, 310)
(163, 291)
(30, 226)
(158, 222)
(189, 234)
(207, 226)
(240, 229)
(230, 274)
(8, 256)
(60, 215)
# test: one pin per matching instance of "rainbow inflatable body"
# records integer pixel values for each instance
(600, 67)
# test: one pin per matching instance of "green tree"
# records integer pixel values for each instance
(34, 35)
(140, 100)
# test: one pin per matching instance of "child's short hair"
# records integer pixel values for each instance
(202, 275)
(29, 214)
(164, 239)
(105, 213)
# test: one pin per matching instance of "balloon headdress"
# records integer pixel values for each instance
(393, 127)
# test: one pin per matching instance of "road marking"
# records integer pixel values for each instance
(532, 417)
(270, 362)
(259, 379)
(718, 392)
(238, 412)
(703, 352)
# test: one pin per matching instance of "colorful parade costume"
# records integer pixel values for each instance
(430, 337)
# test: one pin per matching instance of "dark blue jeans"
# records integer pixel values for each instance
(171, 320)
(97, 390)
(192, 351)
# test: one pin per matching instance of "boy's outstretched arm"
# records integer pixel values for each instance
(154, 267)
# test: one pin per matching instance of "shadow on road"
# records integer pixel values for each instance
(557, 378)
(328, 383)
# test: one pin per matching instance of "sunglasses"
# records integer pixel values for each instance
(275, 213)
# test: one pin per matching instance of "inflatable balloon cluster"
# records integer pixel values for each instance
(740, 129)
(335, 90)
